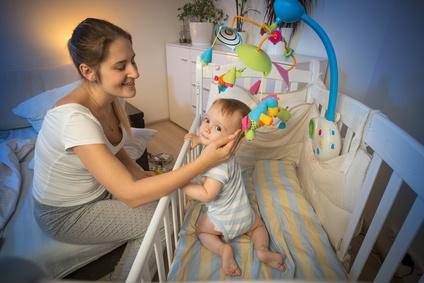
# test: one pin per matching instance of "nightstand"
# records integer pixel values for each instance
(136, 118)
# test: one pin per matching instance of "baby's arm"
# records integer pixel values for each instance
(195, 140)
(203, 193)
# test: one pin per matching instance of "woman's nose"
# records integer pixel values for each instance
(133, 71)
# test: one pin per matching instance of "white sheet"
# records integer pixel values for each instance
(23, 133)
(22, 235)
(11, 153)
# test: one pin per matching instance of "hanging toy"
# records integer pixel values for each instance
(206, 56)
(254, 89)
(228, 79)
(263, 115)
(250, 55)
(229, 37)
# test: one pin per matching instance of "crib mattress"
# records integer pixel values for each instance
(293, 227)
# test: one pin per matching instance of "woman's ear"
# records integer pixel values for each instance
(87, 72)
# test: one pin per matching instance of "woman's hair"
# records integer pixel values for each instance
(230, 106)
(90, 41)
(89, 44)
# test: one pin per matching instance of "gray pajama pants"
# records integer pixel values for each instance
(103, 220)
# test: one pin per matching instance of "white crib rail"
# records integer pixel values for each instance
(172, 204)
(406, 157)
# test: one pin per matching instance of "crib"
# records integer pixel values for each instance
(362, 129)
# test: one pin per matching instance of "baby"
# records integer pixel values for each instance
(229, 213)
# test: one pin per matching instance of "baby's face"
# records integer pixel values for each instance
(215, 124)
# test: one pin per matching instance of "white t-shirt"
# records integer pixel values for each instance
(60, 178)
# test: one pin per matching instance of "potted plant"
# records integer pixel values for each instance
(287, 29)
(202, 15)
(242, 10)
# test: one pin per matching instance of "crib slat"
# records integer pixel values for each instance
(168, 240)
(406, 235)
(380, 216)
(146, 276)
(247, 82)
(322, 111)
(262, 88)
(175, 217)
(141, 260)
(180, 206)
(347, 140)
(294, 86)
(359, 207)
(159, 257)
(278, 87)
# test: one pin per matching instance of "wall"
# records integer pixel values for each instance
(34, 34)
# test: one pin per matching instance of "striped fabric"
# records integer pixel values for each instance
(230, 211)
(286, 212)
(293, 227)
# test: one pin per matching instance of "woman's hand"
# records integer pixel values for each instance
(222, 149)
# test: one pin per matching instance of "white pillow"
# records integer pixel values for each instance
(136, 145)
(35, 108)
(234, 92)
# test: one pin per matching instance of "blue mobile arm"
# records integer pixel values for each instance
(331, 109)
(290, 11)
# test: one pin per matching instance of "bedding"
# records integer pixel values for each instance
(23, 133)
(22, 237)
(292, 224)
(20, 234)
(35, 108)
(11, 154)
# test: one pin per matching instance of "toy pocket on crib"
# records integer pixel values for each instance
(333, 186)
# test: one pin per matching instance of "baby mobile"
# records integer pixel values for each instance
(254, 58)
(323, 131)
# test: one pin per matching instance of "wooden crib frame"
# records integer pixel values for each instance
(384, 140)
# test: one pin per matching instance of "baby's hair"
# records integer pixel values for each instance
(229, 106)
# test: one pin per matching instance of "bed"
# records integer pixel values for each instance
(26, 96)
(311, 209)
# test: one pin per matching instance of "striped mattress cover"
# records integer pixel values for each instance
(293, 227)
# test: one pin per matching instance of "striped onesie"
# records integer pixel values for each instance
(230, 212)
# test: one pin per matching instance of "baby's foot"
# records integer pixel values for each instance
(229, 264)
(275, 260)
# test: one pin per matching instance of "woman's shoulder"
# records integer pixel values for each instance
(72, 112)
(69, 109)
(71, 103)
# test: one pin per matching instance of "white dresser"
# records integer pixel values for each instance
(180, 65)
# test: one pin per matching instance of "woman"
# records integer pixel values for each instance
(79, 159)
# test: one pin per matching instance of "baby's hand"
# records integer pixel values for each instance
(146, 174)
(195, 140)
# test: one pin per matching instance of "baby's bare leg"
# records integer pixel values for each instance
(209, 237)
(260, 240)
